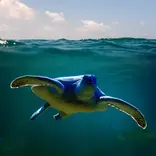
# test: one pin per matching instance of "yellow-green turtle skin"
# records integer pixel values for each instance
(69, 95)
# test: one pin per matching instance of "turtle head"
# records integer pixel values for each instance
(89, 79)
(86, 87)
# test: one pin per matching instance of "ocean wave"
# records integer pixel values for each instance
(93, 47)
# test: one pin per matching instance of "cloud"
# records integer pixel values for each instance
(3, 27)
(15, 9)
(92, 26)
(23, 22)
(20, 21)
(56, 17)
(92, 29)
(142, 23)
(47, 28)
(115, 22)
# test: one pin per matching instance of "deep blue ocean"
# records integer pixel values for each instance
(124, 67)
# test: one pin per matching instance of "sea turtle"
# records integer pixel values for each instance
(74, 94)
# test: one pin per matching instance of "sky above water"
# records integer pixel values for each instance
(71, 19)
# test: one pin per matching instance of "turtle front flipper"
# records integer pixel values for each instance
(126, 108)
(60, 115)
(39, 111)
(29, 80)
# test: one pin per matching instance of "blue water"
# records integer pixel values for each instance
(124, 67)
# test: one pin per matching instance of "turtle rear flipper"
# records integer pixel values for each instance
(126, 108)
(60, 115)
(39, 111)
(29, 80)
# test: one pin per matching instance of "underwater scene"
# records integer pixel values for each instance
(125, 68)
